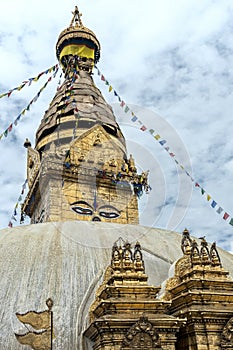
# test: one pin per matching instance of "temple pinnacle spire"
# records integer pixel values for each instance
(79, 169)
(77, 46)
(76, 18)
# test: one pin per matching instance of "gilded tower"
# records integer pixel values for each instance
(79, 168)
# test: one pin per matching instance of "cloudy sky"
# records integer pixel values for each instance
(172, 62)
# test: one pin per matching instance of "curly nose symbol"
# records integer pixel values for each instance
(96, 218)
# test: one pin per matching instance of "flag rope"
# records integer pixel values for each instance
(163, 142)
(15, 122)
(19, 201)
(29, 81)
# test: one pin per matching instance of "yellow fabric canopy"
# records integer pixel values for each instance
(79, 50)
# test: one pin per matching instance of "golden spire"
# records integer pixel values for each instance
(76, 18)
(78, 42)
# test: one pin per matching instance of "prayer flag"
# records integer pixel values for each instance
(208, 197)
(219, 210)
(110, 88)
(143, 128)
(134, 119)
(225, 216)
(162, 142)
(213, 204)
(231, 222)
(151, 131)
(122, 104)
(157, 137)
(202, 191)
(172, 154)
(197, 184)
(107, 83)
(126, 109)
(10, 224)
(102, 77)
(115, 93)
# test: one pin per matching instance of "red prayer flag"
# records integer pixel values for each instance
(225, 216)
(143, 128)
(102, 77)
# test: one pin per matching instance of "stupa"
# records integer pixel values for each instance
(109, 282)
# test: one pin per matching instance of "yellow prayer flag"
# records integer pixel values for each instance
(110, 88)
(157, 137)
(208, 197)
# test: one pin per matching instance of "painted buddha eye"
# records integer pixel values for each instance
(82, 208)
(82, 211)
(108, 212)
(108, 215)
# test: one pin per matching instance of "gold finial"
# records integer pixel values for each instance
(76, 18)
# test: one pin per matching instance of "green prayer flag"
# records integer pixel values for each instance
(231, 222)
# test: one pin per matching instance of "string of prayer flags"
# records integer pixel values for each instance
(163, 142)
(29, 81)
(19, 202)
(15, 122)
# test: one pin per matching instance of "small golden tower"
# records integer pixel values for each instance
(79, 168)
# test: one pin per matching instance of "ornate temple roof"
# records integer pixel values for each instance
(59, 261)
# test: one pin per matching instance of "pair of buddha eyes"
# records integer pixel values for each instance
(105, 211)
